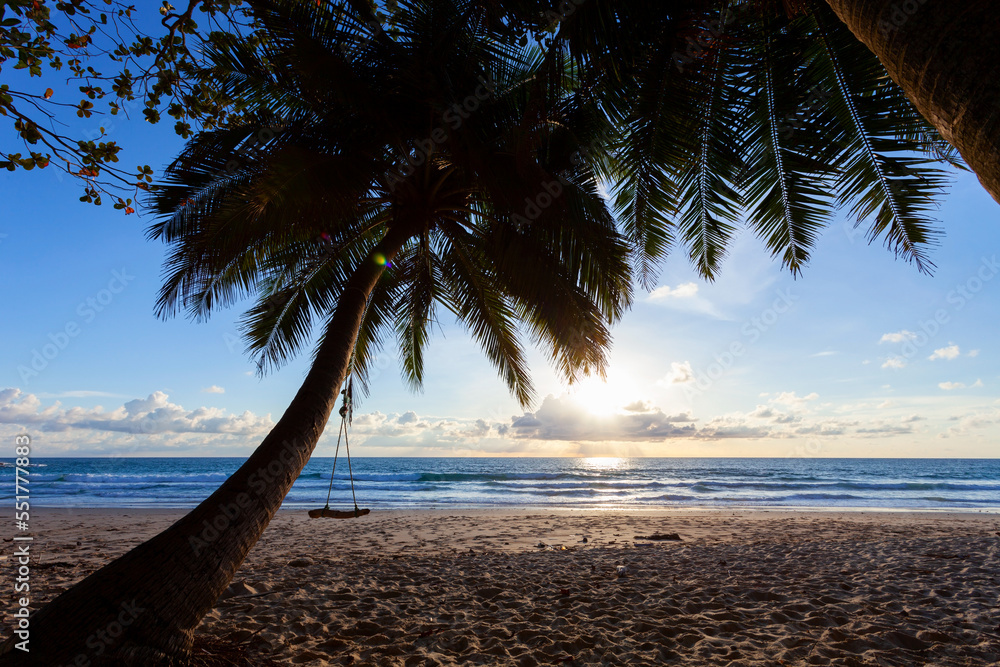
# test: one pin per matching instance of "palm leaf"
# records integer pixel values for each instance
(882, 178)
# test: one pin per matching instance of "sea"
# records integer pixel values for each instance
(971, 485)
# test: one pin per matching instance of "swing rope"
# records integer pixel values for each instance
(345, 411)
(347, 446)
(345, 420)
(346, 414)
(334, 471)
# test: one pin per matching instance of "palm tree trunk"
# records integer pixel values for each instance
(945, 55)
(142, 608)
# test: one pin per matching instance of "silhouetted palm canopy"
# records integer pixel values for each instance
(700, 115)
(348, 129)
(764, 111)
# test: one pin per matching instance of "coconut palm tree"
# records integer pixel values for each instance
(946, 58)
(761, 111)
(353, 194)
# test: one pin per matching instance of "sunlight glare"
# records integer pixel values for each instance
(602, 398)
(604, 462)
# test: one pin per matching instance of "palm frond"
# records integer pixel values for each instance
(709, 204)
(414, 307)
(783, 186)
(882, 177)
(471, 292)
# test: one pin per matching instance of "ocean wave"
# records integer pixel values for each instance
(376, 476)
(582, 492)
(90, 478)
(648, 483)
(502, 484)
(487, 477)
(922, 486)
(707, 486)
(591, 493)
(46, 478)
(441, 476)
(975, 501)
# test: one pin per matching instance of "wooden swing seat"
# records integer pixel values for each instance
(326, 513)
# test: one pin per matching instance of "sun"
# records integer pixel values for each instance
(602, 397)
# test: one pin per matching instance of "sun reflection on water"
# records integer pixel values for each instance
(604, 462)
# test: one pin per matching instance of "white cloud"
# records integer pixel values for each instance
(679, 374)
(686, 297)
(898, 337)
(973, 353)
(975, 420)
(162, 424)
(682, 291)
(409, 417)
(721, 428)
(789, 398)
(563, 419)
(894, 362)
(768, 413)
(882, 429)
(949, 353)
(80, 393)
(767, 422)
(827, 429)
(949, 386)
(214, 389)
(826, 353)
(410, 434)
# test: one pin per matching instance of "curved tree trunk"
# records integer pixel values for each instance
(945, 55)
(142, 608)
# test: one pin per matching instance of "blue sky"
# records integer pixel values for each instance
(861, 356)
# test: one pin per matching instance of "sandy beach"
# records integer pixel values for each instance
(582, 588)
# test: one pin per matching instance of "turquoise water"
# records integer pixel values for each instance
(387, 483)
